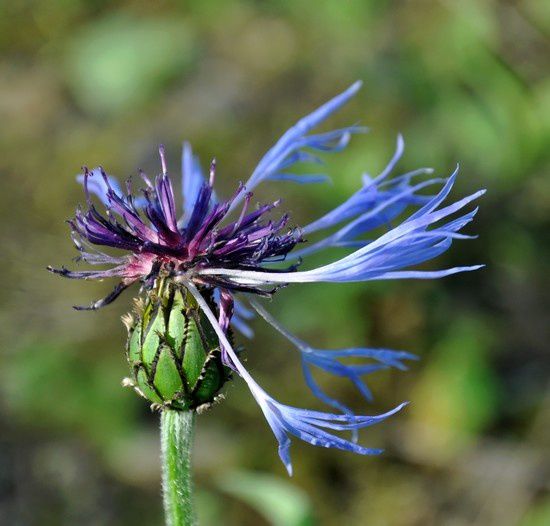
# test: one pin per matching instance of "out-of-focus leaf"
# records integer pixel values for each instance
(538, 516)
(279, 501)
(120, 60)
(48, 385)
(456, 397)
(209, 507)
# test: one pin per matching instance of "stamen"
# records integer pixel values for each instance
(117, 291)
(110, 190)
(129, 189)
(212, 172)
(86, 190)
(239, 221)
(163, 159)
(276, 325)
(146, 180)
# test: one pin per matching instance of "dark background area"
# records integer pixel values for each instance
(106, 82)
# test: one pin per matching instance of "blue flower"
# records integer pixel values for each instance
(231, 253)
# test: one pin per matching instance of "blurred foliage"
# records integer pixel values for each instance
(121, 61)
(278, 500)
(103, 82)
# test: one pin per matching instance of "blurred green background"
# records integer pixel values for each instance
(99, 82)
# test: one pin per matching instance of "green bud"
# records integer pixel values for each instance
(173, 351)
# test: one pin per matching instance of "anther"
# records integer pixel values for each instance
(212, 172)
(163, 159)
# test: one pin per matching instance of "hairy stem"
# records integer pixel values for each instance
(176, 428)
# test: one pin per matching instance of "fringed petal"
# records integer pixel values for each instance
(300, 178)
(417, 239)
(307, 425)
(289, 148)
(241, 317)
(377, 203)
(328, 361)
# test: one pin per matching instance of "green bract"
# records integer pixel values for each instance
(173, 351)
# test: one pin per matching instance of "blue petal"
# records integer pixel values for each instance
(378, 209)
(241, 315)
(388, 357)
(377, 203)
(321, 395)
(242, 326)
(310, 426)
(299, 178)
(286, 420)
(328, 361)
(98, 186)
(192, 180)
(289, 148)
(243, 311)
(301, 157)
(433, 274)
(419, 238)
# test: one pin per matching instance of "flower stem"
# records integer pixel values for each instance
(176, 428)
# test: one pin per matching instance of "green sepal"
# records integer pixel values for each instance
(211, 381)
(167, 379)
(134, 344)
(142, 382)
(151, 339)
(177, 324)
(194, 355)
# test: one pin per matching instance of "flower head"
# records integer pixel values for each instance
(223, 253)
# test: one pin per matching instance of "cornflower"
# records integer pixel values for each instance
(201, 271)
